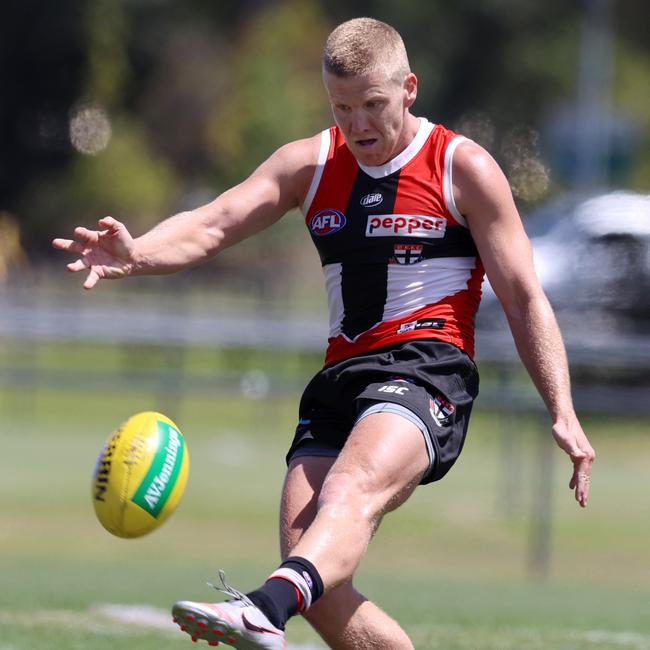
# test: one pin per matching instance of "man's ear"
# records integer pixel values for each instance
(410, 89)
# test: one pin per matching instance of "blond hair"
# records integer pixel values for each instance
(363, 45)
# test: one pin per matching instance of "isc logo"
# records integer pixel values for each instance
(327, 222)
(389, 388)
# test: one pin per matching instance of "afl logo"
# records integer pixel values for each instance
(327, 222)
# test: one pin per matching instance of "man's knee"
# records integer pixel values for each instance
(384, 454)
(356, 489)
(365, 488)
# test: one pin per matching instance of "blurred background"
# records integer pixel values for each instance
(143, 108)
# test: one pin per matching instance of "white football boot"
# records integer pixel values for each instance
(237, 622)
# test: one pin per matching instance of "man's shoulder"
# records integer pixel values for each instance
(300, 152)
(293, 165)
(472, 160)
(293, 158)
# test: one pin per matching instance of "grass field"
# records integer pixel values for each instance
(451, 565)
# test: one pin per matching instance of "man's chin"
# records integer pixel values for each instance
(368, 157)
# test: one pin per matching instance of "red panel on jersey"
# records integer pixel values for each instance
(338, 177)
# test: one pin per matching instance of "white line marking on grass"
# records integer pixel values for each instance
(606, 639)
(624, 639)
(101, 619)
(64, 618)
(138, 615)
(154, 617)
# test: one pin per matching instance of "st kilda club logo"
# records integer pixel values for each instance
(407, 254)
(327, 222)
(442, 411)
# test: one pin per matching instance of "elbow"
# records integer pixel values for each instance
(215, 238)
(519, 307)
(211, 233)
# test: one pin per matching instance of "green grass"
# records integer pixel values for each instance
(452, 565)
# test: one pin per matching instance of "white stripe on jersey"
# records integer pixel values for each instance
(448, 184)
(332, 273)
(413, 286)
(325, 138)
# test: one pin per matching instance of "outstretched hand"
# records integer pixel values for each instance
(107, 254)
(572, 439)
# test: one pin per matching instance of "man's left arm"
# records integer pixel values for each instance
(483, 196)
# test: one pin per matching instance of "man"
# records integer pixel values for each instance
(405, 216)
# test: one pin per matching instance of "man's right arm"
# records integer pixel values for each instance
(189, 238)
(483, 196)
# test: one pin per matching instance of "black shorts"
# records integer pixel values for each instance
(435, 380)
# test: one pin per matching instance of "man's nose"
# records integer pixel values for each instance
(359, 122)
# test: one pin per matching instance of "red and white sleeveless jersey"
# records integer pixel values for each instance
(399, 261)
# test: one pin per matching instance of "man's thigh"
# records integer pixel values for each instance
(380, 464)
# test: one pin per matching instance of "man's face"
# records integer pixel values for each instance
(372, 112)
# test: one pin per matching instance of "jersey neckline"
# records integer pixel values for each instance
(403, 158)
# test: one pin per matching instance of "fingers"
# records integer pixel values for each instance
(82, 265)
(69, 245)
(109, 222)
(581, 479)
(78, 265)
(85, 236)
(72, 246)
(572, 439)
(91, 280)
(580, 483)
(101, 252)
(112, 227)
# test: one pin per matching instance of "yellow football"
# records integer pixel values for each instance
(140, 475)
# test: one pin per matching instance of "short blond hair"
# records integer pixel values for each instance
(363, 45)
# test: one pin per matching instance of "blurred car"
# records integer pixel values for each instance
(592, 255)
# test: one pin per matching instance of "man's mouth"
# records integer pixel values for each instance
(367, 143)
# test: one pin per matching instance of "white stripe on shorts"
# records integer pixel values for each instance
(398, 409)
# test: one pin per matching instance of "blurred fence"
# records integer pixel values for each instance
(611, 376)
(611, 373)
